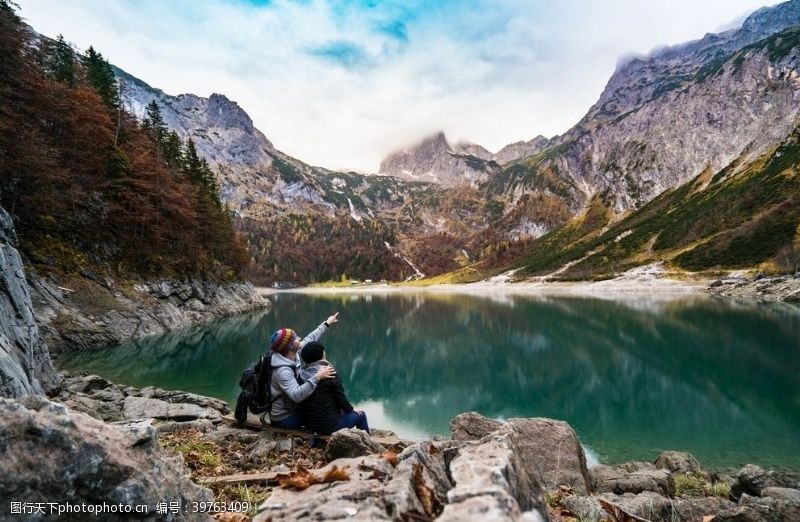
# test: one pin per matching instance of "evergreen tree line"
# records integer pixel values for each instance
(87, 184)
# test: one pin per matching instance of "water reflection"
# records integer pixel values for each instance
(633, 378)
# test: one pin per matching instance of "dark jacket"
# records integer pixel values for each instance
(325, 406)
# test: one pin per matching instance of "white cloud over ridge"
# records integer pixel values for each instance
(342, 83)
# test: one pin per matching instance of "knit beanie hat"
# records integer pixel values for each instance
(282, 339)
(312, 352)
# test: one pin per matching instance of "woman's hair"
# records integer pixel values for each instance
(312, 352)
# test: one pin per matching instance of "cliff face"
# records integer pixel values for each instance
(25, 366)
(664, 119)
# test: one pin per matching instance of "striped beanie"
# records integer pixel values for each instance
(282, 339)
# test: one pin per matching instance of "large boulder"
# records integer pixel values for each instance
(678, 462)
(551, 447)
(349, 443)
(25, 365)
(493, 481)
(472, 426)
(50, 454)
(751, 479)
(619, 480)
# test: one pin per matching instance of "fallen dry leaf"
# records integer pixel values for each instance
(334, 474)
(301, 478)
(391, 456)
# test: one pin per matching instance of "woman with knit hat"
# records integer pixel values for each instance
(286, 389)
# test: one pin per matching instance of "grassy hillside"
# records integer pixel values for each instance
(735, 218)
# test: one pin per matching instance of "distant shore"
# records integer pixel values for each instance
(642, 282)
(647, 282)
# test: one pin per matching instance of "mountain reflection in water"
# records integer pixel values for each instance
(633, 378)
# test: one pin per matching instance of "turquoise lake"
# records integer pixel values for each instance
(633, 377)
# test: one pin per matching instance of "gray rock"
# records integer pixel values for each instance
(105, 411)
(678, 462)
(417, 468)
(551, 447)
(25, 365)
(359, 498)
(751, 479)
(62, 456)
(791, 494)
(472, 426)
(351, 442)
(88, 384)
(143, 408)
(611, 479)
(187, 398)
(586, 509)
(648, 505)
(258, 452)
(761, 509)
(694, 509)
(493, 481)
(171, 426)
(223, 434)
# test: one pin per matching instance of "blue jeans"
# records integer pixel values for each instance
(293, 421)
(353, 420)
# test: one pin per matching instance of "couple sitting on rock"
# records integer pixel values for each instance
(311, 396)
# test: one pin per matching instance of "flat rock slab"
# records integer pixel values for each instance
(617, 480)
(144, 408)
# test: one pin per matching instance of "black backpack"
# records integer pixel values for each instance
(255, 384)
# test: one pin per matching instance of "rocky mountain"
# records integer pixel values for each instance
(520, 150)
(721, 102)
(664, 118)
(435, 160)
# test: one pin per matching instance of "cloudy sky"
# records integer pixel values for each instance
(342, 83)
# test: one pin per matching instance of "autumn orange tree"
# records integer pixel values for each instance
(86, 183)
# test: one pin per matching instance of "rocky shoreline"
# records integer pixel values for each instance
(84, 312)
(779, 288)
(114, 437)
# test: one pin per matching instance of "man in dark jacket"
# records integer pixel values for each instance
(327, 409)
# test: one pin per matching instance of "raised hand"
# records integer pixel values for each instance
(330, 321)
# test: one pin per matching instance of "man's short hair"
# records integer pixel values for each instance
(312, 352)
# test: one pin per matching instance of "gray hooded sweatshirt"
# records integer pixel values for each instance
(284, 390)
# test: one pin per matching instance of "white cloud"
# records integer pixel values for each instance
(341, 84)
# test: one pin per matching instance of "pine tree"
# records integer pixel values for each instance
(210, 182)
(192, 166)
(172, 150)
(101, 76)
(154, 123)
(62, 62)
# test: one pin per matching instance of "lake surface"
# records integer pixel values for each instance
(718, 379)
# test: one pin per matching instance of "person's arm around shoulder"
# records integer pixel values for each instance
(300, 392)
(316, 334)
